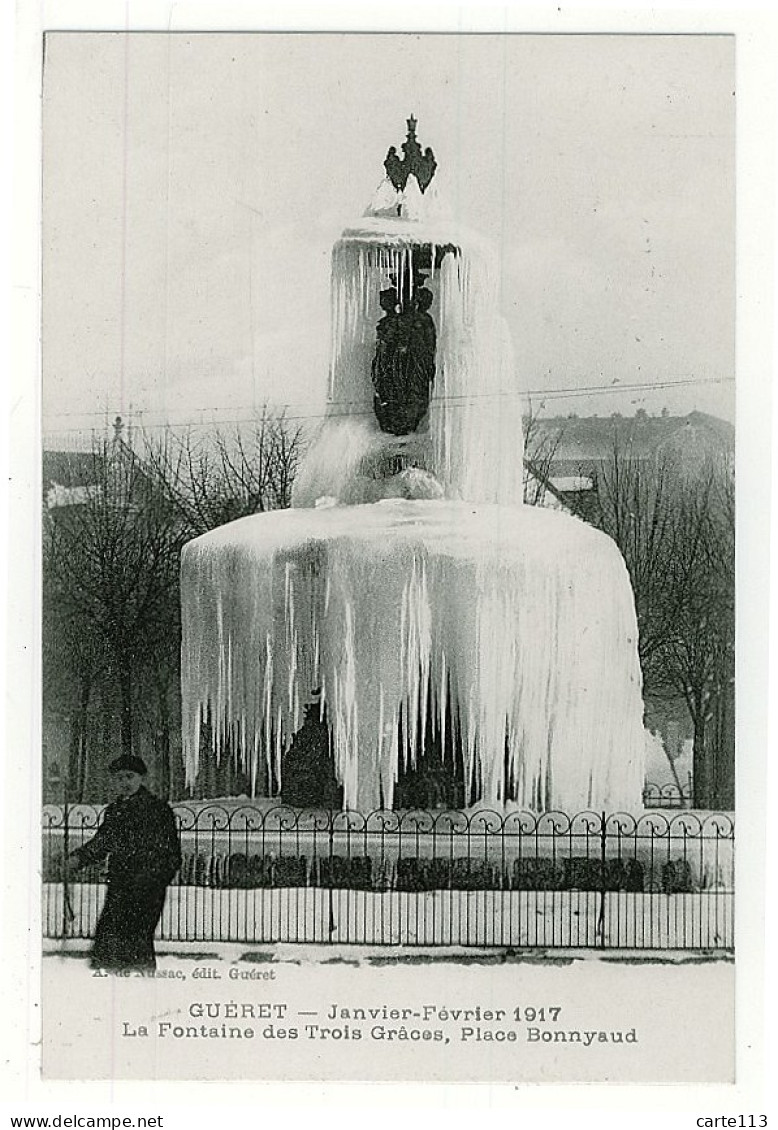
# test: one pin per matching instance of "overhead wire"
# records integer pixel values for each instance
(345, 408)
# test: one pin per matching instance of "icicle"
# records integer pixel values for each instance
(516, 624)
(474, 440)
(443, 699)
(520, 620)
(254, 763)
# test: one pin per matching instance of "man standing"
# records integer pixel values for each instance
(139, 838)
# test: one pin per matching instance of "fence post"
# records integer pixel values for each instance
(65, 850)
(67, 910)
(603, 841)
(331, 874)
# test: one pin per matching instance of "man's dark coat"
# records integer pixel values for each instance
(139, 838)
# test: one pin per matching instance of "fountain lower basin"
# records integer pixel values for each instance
(513, 624)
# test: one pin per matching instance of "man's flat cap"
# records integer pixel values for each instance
(129, 764)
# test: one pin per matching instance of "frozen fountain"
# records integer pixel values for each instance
(409, 583)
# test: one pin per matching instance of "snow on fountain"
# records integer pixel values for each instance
(408, 581)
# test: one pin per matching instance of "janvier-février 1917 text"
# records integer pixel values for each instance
(437, 1023)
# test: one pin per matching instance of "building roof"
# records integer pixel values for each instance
(72, 478)
(71, 468)
(581, 441)
(569, 483)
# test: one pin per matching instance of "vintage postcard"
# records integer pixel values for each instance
(388, 634)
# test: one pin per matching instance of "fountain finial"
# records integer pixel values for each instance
(412, 163)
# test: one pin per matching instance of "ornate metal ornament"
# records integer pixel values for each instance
(413, 163)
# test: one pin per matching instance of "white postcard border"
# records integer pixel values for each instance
(756, 198)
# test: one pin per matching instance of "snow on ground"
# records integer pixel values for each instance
(694, 920)
(177, 959)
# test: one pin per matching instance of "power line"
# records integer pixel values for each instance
(347, 407)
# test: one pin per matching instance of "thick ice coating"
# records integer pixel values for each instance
(409, 582)
(521, 616)
(472, 441)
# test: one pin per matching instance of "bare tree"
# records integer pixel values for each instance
(220, 476)
(71, 665)
(697, 659)
(635, 500)
(111, 555)
(111, 574)
(676, 534)
(540, 448)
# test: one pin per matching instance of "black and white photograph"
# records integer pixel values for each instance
(388, 696)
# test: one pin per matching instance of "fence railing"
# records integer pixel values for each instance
(668, 796)
(251, 874)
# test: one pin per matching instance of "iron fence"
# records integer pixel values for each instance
(668, 796)
(251, 874)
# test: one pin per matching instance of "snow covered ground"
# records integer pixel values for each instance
(639, 920)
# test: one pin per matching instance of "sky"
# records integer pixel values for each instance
(193, 186)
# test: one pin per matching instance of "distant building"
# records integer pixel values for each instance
(75, 478)
(576, 449)
(71, 477)
(583, 444)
